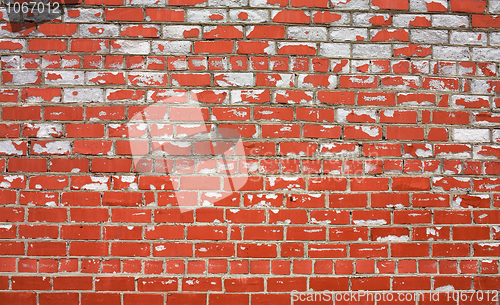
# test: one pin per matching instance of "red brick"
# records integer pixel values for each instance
(58, 299)
(100, 299)
(468, 6)
(18, 298)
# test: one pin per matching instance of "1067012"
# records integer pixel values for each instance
(32, 7)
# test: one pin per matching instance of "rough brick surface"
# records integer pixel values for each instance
(239, 151)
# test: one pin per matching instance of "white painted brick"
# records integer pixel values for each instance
(469, 38)
(336, 50)
(26, 61)
(422, 65)
(171, 47)
(481, 86)
(465, 70)
(146, 3)
(429, 36)
(203, 15)
(282, 80)
(52, 148)
(263, 3)
(452, 155)
(486, 54)
(122, 46)
(99, 30)
(438, 84)
(252, 16)
(307, 33)
(415, 102)
(479, 151)
(355, 64)
(450, 21)
(332, 82)
(11, 62)
(491, 67)
(78, 95)
(238, 96)
(234, 79)
(342, 114)
(179, 63)
(495, 39)
(361, 5)
(363, 19)
(445, 69)
(296, 62)
(10, 148)
(146, 79)
(348, 34)
(199, 62)
(494, 6)
(96, 63)
(47, 130)
(471, 135)
(47, 62)
(300, 44)
(424, 3)
(177, 31)
(64, 77)
(340, 65)
(417, 6)
(40, 99)
(228, 3)
(450, 53)
(220, 64)
(84, 15)
(496, 135)
(371, 51)
(403, 20)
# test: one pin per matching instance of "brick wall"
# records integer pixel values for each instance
(235, 151)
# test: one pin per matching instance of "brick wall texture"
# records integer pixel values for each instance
(244, 151)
